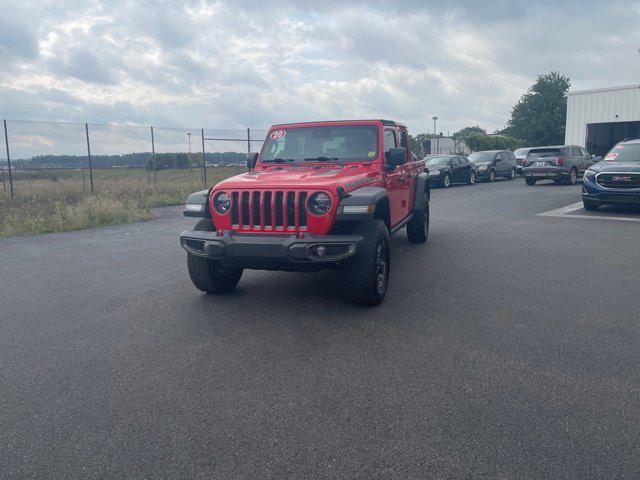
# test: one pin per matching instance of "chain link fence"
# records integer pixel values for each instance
(88, 158)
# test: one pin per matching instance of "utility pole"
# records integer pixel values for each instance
(189, 136)
(435, 119)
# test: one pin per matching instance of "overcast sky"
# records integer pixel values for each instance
(231, 64)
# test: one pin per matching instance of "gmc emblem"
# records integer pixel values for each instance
(621, 179)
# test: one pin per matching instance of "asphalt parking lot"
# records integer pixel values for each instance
(507, 347)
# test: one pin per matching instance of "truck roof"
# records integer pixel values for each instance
(384, 122)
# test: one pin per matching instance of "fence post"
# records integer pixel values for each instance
(248, 144)
(4, 185)
(204, 161)
(6, 143)
(153, 157)
(86, 129)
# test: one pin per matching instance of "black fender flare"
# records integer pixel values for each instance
(422, 194)
(365, 202)
(198, 199)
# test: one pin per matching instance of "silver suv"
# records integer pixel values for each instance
(560, 163)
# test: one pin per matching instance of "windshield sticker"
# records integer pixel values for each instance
(371, 154)
(278, 134)
(611, 156)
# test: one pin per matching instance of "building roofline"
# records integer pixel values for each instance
(608, 89)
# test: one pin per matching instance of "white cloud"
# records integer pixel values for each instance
(215, 64)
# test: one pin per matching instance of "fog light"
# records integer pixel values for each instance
(321, 251)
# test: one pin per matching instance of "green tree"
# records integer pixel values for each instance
(476, 139)
(539, 117)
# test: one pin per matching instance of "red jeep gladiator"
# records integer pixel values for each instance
(319, 195)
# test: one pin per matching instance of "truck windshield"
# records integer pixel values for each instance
(629, 152)
(350, 143)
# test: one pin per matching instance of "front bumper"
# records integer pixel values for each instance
(614, 196)
(483, 174)
(546, 173)
(271, 251)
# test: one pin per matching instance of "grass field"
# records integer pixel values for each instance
(61, 200)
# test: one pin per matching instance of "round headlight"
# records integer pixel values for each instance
(319, 203)
(222, 203)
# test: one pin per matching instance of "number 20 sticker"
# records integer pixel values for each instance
(278, 134)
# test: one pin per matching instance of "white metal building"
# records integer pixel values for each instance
(598, 119)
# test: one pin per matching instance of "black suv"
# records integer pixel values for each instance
(494, 163)
(447, 169)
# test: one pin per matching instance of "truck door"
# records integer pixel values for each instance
(408, 173)
(395, 179)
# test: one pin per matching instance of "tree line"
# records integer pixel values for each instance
(149, 160)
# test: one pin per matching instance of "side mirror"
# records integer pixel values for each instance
(498, 159)
(395, 157)
(252, 159)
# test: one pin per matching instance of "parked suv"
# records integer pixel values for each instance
(319, 195)
(521, 155)
(561, 163)
(494, 163)
(616, 179)
(447, 169)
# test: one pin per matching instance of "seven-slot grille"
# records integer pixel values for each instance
(278, 210)
(618, 180)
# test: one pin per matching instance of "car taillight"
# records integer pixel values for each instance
(560, 161)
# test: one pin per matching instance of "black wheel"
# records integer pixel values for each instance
(446, 181)
(573, 177)
(492, 175)
(368, 274)
(589, 205)
(418, 227)
(472, 178)
(512, 174)
(208, 275)
(530, 181)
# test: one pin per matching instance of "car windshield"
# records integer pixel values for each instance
(437, 160)
(350, 143)
(480, 157)
(629, 152)
(521, 152)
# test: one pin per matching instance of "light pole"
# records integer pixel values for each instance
(189, 137)
(435, 119)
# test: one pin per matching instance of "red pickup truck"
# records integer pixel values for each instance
(319, 195)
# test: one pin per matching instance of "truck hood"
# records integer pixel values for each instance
(619, 167)
(328, 177)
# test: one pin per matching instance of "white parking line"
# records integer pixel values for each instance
(565, 212)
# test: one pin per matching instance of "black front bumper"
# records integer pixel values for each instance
(271, 251)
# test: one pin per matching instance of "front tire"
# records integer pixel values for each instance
(368, 275)
(208, 275)
(530, 181)
(418, 227)
(472, 178)
(446, 181)
(589, 205)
